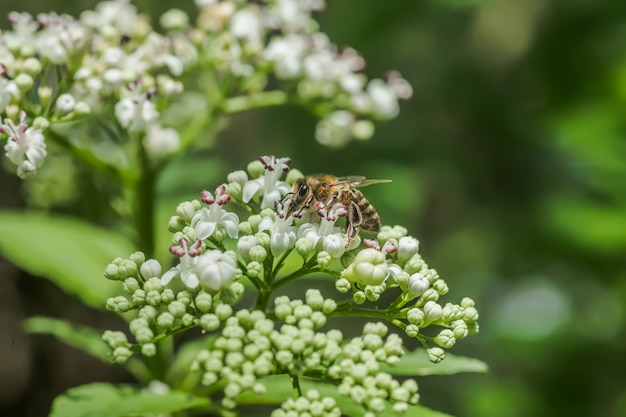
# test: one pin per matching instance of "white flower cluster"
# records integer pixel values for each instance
(287, 339)
(62, 68)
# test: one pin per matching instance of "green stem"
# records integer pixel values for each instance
(248, 102)
(295, 383)
(144, 193)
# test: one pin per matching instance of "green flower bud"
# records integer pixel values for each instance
(144, 335)
(467, 302)
(253, 269)
(373, 292)
(415, 316)
(24, 82)
(359, 297)
(188, 320)
(167, 296)
(153, 284)
(184, 297)
(302, 311)
(115, 339)
(128, 268)
(153, 298)
(459, 329)
(323, 259)
(412, 330)
(414, 264)
(435, 354)
(223, 311)
(203, 302)
(112, 271)
(185, 211)
(441, 287)
(240, 177)
(32, 66)
(235, 190)
(429, 295)
(176, 224)
(343, 285)
(130, 285)
(148, 313)
(314, 299)
(369, 268)
(122, 305)
(445, 338)
(304, 246)
(470, 315)
(472, 328)
(138, 324)
(177, 309)
(121, 354)
(258, 253)
(139, 297)
(255, 169)
(264, 239)
(293, 175)
(148, 349)
(138, 258)
(285, 358)
(165, 321)
(245, 228)
(329, 306)
(209, 322)
(451, 312)
(432, 312)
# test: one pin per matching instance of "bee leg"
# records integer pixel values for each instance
(305, 206)
(353, 221)
(329, 203)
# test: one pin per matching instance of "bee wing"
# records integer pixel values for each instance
(357, 181)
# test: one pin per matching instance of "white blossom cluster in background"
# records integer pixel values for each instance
(111, 62)
(220, 253)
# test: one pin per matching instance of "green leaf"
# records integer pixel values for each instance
(416, 363)
(69, 252)
(106, 400)
(80, 337)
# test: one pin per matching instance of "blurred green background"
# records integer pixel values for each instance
(509, 165)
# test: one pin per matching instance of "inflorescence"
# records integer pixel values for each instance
(220, 254)
(111, 62)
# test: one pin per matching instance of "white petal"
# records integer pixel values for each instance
(251, 188)
(169, 275)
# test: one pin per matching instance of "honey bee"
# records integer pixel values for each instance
(328, 190)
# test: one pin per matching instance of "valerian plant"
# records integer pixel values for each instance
(223, 257)
(125, 101)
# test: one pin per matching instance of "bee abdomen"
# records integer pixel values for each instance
(370, 218)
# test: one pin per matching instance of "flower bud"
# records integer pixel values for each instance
(369, 268)
(418, 284)
(244, 244)
(334, 245)
(186, 210)
(256, 169)
(148, 349)
(130, 285)
(470, 315)
(359, 297)
(223, 311)
(209, 322)
(176, 224)
(254, 269)
(112, 272)
(304, 246)
(245, 228)
(459, 329)
(343, 285)
(445, 338)
(441, 287)
(432, 312)
(203, 302)
(24, 82)
(174, 19)
(258, 253)
(150, 269)
(65, 104)
(121, 354)
(177, 309)
(415, 316)
(435, 354)
(323, 259)
(165, 321)
(407, 247)
(32, 66)
(412, 330)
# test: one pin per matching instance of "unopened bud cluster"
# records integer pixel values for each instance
(270, 248)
